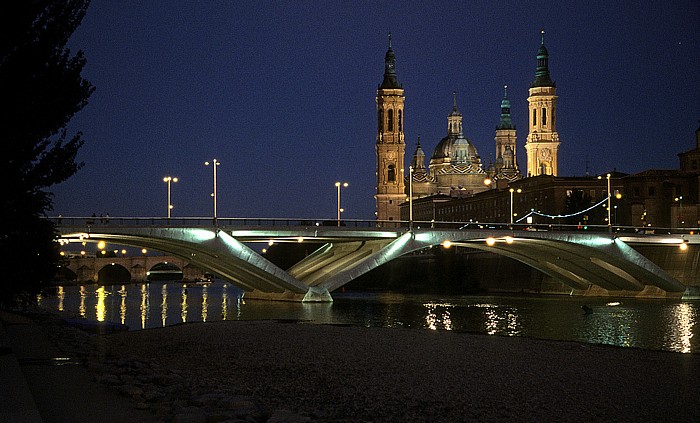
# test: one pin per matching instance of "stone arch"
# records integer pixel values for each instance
(113, 274)
(164, 271)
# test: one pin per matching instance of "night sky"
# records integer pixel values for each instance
(283, 94)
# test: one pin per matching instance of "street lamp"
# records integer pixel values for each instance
(214, 163)
(679, 199)
(512, 191)
(609, 200)
(338, 185)
(410, 197)
(168, 180)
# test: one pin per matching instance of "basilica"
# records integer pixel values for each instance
(455, 168)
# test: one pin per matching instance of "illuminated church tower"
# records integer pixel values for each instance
(506, 167)
(542, 144)
(390, 142)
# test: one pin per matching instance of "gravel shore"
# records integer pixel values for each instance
(307, 372)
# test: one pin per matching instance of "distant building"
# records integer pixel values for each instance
(455, 168)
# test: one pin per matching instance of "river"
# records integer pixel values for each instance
(640, 323)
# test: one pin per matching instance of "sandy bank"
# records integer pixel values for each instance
(358, 374)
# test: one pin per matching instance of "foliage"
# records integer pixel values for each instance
(42, 89)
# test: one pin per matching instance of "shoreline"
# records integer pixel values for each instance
(351, 373)
(285, 371)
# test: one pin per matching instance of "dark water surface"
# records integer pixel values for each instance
(642, 323)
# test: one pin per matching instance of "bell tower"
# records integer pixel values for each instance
(505, 137)
(390, 142)
(542, 144)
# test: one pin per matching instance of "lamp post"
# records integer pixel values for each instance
(607, 176)
(679, 199)
(214, 163)
(512, 191)
(338, 185)
(410, 198)
(168, 180)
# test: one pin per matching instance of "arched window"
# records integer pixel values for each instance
(380, 123)
(534, 117)
(391, 173)
(544, 116)
(400, 121)
(390, 120)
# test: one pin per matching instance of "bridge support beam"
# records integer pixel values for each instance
(313, 295)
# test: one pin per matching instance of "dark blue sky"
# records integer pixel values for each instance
(283, 94)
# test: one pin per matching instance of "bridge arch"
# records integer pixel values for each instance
(113, 274)
(164, 271)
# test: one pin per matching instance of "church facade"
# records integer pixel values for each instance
(455, 168)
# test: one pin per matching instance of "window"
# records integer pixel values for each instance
(391, 174)
(390, 120)
(380, 123)
(544, 116)
(636, 192)
(694, 165)
(652, 191)
(400, 121)
(534, 117)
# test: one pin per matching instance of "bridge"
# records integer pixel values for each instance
(587, 261)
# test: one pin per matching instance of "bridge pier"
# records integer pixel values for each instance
(313, 295)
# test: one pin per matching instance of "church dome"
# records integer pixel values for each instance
(447, 147)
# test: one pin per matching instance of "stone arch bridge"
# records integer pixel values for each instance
(580, 259)
(139, 268)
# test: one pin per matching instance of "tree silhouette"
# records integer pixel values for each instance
(42, 89)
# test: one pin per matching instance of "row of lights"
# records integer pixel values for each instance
(491, 241)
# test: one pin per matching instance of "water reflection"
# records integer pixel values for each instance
(680, 327)
(654, 324)
(100, 308)
(122, 306)
(145, 306)
(205, 307)
(61, 295)
(438, 316)
(164, 304)
(183, 305)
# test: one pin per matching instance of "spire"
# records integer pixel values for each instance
(418, 162)
(542, 78)
(506, 122)
(454, 119)
(390, 80)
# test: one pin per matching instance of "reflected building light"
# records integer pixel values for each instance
(83, 295)
(680, 329)
(183, 305)
(122, 306)
(61, 296)
(432, 321)
(205, 306)
(164, 304)
(224, 304)
(145, 305)
(100, 309)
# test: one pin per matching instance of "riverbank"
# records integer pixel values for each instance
(258, 369)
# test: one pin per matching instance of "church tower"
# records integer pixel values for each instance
(390, 142)
(542, 144)
(505, 137)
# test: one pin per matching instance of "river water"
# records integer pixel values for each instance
(642, 323)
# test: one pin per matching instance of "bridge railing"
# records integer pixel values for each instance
(349, 224)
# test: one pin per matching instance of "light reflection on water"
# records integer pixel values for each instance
(653, 324)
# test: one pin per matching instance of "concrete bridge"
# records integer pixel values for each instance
(588, 262)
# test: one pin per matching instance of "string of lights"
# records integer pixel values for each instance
(559, 216)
